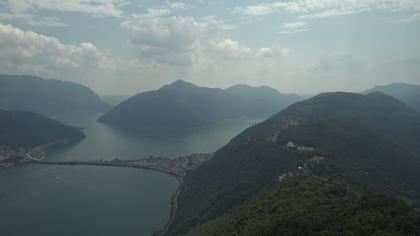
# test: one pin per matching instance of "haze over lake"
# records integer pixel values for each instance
(48, 200)
(209, 118)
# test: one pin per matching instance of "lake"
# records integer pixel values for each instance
(87, 200)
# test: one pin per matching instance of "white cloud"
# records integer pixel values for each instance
(166, 9)
(33, 20)
(273, 52)
(170, 39)
(30, 12)
(293, 25)
(154, 12)
(178, 5)
(258, 10)
(333, 12)
(295, 31)
(185, 47)
(229, 49)
(91, 7)
(179, 40)
(33, 53)
(310, 9)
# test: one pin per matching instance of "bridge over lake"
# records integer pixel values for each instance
(177, 167)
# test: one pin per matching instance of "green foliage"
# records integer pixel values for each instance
(316, 206)
(19, 129)
(370, 141)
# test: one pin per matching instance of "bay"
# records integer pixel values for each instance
(87, 200)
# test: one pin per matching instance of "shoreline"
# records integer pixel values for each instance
(174, 208)
(23, 156)
(177, 167)
(105, 163)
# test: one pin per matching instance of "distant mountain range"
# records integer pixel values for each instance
(181, 106)
(21, 129)
(47, 97)
(275, 177)
(408, 93)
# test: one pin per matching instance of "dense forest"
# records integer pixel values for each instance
(21, 129)
(309, 205)
(368, 141)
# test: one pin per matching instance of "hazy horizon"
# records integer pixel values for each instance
(120, 47)
(107, 152)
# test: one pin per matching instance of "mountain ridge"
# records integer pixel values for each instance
(24, 129)
(50, 97)
(182, 106)
(405, 92)
(349, 131)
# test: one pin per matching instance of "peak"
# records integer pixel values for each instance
(248, 88)
(346, 103)
(241, 86)
(10, 76)
(393, 88)
(179, 84)
(338, 94)
(182, 83)
(378, 94)
(345, 97)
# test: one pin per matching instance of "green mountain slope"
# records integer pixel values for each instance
(48, 97)
(19, 129)
(367, 140)
(182, 106)
(316, 206)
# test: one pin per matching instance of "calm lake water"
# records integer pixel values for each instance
(81, 200)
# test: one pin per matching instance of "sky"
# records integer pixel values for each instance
(124, 47)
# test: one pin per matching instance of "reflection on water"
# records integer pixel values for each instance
(80, 200)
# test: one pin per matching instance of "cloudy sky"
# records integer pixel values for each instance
(302, 46)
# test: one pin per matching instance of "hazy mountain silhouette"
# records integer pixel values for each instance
(21, 129)
(408, 93)
(181, 106)
(48, 97)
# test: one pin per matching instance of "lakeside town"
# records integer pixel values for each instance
(178, 166)
(14, 157)
(10, 157)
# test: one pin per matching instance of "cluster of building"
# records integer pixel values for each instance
(273, 138)
(6, 154)
(37, 153)
(303, 170)
(294, 146)
(178, 166)
(284, 122)
(11, 157)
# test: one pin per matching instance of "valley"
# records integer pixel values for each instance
(146, 193)
(210, 118)
(331, 143)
